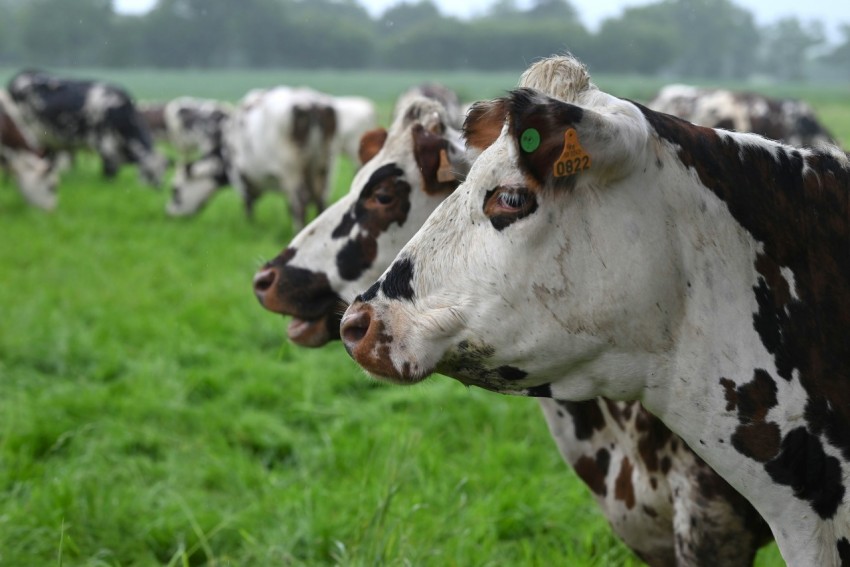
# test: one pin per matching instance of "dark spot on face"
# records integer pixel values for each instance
(383, 201)
(370, 293)
(397, 283)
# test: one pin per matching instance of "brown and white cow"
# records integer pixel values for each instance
(21, 155)
(651, 501)
(598, 247)
(280, 139)
(786, 120)
(194, 125)
(408, 171)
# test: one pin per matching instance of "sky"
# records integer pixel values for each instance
(592, 12)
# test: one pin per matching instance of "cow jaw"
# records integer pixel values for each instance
(315, 333)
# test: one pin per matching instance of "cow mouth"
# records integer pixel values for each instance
(314, 333)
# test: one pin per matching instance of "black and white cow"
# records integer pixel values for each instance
(665, 503)
(786, 120)
(598, 247)
(23, 158)
(71, 114)
(355, 115)
(281, 139)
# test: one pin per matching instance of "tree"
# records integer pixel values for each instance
(786, 44)
(840, 56)
(50, 36)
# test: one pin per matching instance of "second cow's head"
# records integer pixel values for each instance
(408, 171)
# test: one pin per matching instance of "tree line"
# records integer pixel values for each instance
(687, 38)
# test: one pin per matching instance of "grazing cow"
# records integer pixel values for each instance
(68, 114)
(20, 154)
(598, 247)
(282, 139)
(446, 96)
(354, 116)
(671, 486)
(408, 171)
(194, 126)
(786, 120)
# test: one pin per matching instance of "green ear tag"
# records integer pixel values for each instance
(530, 140)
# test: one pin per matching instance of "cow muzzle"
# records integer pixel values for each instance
(307, 297)
(367, 341)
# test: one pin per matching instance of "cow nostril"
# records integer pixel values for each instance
(354, 327)
(263, 281)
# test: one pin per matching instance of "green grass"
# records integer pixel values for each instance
(151, 413)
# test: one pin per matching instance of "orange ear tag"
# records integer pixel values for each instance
(444, 173)
(573, 158)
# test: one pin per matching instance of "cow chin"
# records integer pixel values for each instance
(314, 333)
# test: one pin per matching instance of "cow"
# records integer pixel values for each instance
(355, 116)
(670, 484)
(70, 114)
(601, 248)
(787, 120)
(194, 125)
(408, 171)
(21, 155)
(439, 92)
(282, 139)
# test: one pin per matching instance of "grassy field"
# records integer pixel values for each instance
(151, 413)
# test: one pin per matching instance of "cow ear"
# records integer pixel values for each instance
(549, 137)
(484, 123)
(371, 143)
(432, 156)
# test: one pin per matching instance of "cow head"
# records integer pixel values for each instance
(407, 172)
(35, 176)
(195, 183)
(519, 276)
(152, 168)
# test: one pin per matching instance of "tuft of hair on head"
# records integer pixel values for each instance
(560, 76)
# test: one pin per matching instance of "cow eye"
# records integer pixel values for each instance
(512, 202)
(506, 205)
(384, 196)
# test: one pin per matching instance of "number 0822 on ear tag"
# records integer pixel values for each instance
(573, 157)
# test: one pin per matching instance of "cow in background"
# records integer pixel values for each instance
(786, 120)
(435, 91)
(20, 155)
(281, 139)
(71, 114)
(194, 126)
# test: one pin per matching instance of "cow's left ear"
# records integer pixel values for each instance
(559, 143)
(432, 151)
(371, 143)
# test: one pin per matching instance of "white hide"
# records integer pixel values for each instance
(354, 117)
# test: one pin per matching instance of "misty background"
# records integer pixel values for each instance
(710, 39)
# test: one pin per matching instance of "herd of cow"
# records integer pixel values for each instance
(677, 296)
